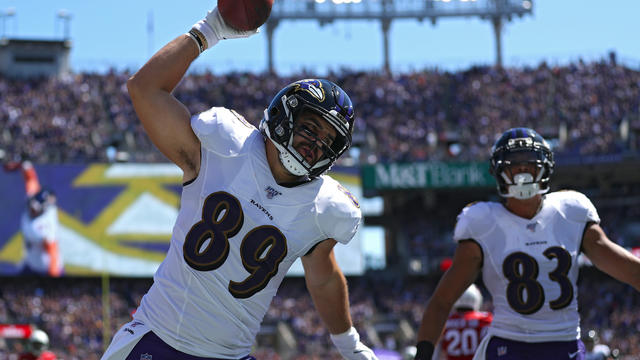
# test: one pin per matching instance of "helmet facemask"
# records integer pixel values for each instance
(314, 142)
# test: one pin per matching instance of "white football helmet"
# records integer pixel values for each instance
(38, 340)
(470, 299)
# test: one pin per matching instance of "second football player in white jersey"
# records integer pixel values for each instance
(527, 250)
(39, 224)
(253, 202)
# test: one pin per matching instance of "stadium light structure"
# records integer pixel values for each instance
(385, 11)
(9, 12)
(65, 16)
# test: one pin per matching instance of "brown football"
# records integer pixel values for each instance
(245, 14)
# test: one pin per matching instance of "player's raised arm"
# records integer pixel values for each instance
(164, 118)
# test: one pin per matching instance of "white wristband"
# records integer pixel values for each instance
(349, 346)
(347, 340)
(213, 28)
(206, 30)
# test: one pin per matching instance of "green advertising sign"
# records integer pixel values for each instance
(426, 175)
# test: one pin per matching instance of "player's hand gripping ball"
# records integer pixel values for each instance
(245, 15)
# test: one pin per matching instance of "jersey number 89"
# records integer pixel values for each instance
(206, 245)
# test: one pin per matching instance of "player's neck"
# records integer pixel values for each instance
(527, 208)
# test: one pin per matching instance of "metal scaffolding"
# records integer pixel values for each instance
(385, 11)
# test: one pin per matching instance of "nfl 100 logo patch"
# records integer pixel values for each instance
(271, 192)
(532, 226)
(146, 356)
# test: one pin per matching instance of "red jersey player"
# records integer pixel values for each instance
(465, 327)
(37, 346)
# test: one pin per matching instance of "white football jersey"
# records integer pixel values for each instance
(236, 235)
(530, 266)
(35, 232)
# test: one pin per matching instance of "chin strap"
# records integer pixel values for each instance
(523, 186)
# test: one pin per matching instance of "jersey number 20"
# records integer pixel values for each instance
(521, 270)
(462, 342)
(206, 246)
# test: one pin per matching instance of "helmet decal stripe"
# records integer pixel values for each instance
(313, 87)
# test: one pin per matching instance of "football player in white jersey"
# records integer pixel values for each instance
(526, 248)
(253, 201)
(39, 225)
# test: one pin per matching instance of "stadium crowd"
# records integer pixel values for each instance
(589, 108)
(70, 311)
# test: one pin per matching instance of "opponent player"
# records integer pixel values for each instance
(37, 347)
(465, 327)
(39, 224)
(253, 201)
(527, 250)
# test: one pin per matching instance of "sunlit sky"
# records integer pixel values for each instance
(115, 34)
